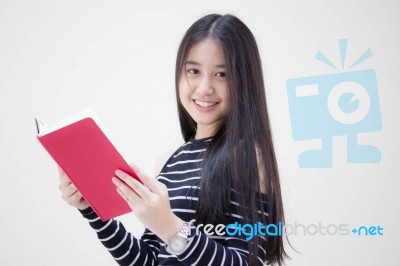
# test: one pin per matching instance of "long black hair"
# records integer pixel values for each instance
(230, 168)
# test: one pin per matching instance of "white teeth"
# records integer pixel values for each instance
(205, 104)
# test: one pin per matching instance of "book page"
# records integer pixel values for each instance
(44, 129)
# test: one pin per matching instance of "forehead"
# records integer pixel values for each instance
(207, 51)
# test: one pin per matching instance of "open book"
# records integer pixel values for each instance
(89, 159)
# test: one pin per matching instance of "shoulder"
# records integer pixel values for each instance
(162, 159)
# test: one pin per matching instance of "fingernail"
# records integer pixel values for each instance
(114, 180)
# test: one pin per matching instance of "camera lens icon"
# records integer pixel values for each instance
(337, 104)
(348, 103)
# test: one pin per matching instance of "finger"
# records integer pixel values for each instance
(62, 174)
(75, 199)
(146, 180)
(64, 179)
(60, 171)
(138, 187)
(126, 192)
(68, 191)
(129, 201)
(64, 183)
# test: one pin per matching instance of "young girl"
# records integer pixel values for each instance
(225, 173)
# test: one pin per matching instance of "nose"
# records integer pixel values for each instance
(205, 86)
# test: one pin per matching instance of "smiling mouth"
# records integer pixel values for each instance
(204, 104)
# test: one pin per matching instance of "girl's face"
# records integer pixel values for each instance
(203, 88)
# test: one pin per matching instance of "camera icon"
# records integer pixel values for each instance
(324, 106)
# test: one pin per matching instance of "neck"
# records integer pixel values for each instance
(205, 131)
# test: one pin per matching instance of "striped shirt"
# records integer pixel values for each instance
(181, 174)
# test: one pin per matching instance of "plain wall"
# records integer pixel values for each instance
(118, 57)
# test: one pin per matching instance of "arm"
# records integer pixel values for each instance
(123, 246)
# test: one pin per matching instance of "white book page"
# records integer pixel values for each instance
(43, 128)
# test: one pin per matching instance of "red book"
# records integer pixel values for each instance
(89, 159)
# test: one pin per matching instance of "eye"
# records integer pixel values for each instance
(220, 74)
(193, 71)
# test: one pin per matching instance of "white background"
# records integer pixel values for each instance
(118, 57)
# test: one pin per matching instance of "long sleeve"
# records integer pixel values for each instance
(122, 245)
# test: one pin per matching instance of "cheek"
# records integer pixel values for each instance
(184, 90)
(184, 95)
(225, 95)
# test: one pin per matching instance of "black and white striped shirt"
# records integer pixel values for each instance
(181, 174)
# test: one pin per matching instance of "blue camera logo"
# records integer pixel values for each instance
(344, 103)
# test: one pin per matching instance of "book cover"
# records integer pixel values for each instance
(89, 159)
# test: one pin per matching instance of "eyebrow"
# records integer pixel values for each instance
(191, 62)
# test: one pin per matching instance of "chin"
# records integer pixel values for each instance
(206, 122)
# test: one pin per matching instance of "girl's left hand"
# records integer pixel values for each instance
(149, 201)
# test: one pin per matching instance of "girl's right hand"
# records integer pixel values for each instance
(70, 193)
